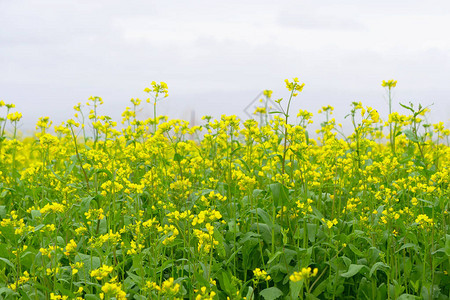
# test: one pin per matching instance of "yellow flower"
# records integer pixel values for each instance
(168, 287)
(261, 275)
(268, 93)
(14, 117)
(305, 273)
(94, 214)
(389, 84)
(330, 223)
(71, 247)
(114, 289)
(101, 272)
(53, 296)
(75, 267)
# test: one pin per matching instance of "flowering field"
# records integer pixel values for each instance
(231, 209)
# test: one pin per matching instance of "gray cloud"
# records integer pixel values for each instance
(319, 21)
(215, 58)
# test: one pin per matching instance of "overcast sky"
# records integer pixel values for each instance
(217, 56)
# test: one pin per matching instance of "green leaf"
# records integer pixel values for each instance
(447, 244)
(23, 294)
(225, 279)
(177, 157)
(5, 290)
(379, 266)
(320, 288)
(91, 297)
(310, 297)
(8, 262)
(271, 293)
(407, 297)
(35, 214)
(407, 107)
(250, 294)
(264, 231)
(355, 250)
(220, 247)
(408, 245)
(264, 216)
(312, 231)
(273, 257)
(353, 270)
(279, 193)
(410, 135)
(135, 278)
(295, 288)
(307, 137)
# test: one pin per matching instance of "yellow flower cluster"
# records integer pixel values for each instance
(22, 279)
(112, 238)
(305, 273)
(71, 248)
(206, 240)
(14, 117)
(170, 233)
(330, 223)
(294, 85)
(94, 214)
(389, 83)
(203, 294)
(17, 224)
(260, 110)
(261, 275)
(113, 289)
(156, 88)
(76, 267)
(102, 272)
(53, 207)
(168, 288)
(54, 296)
(424, 221)
(209, 215)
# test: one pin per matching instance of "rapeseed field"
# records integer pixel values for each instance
(230, 209)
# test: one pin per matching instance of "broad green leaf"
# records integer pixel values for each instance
(353, 270)
(250, 294)
(8, 262)
(312, 231)
(2, 210)
(295, 288)
(279, 193)
(310, 297)
(408, 245)
(355, 250)
(273, 257)
(410, 135)
(271, 293)
(379, 266)
(264, 216)
(447, 244)
(320, 288)
(407, 297)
